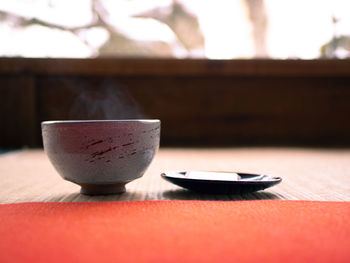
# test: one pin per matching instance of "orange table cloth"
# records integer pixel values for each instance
(176, 231)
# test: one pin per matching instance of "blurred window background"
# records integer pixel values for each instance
(220, 29)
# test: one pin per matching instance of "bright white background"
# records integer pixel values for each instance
(296, 28)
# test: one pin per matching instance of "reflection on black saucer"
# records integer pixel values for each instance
(221, 182)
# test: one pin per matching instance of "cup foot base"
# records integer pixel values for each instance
(102, 189)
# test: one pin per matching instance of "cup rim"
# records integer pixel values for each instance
(98, 121)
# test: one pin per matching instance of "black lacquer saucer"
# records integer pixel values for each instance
(211, 183)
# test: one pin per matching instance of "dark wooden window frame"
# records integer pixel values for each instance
(200, 102)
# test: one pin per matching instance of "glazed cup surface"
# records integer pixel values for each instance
(101, 156)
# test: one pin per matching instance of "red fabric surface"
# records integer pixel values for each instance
(176, 231)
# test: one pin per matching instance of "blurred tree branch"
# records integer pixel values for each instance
(21, 21)
(329, 49)
(181, 21)
(258, 18)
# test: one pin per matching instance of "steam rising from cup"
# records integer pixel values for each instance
(109, 101)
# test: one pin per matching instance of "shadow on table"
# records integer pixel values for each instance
(178, 194)
(182, 194)
(77, 197)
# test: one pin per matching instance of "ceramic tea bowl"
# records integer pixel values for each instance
(101, 155)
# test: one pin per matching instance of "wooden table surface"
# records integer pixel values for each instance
(308, 174)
